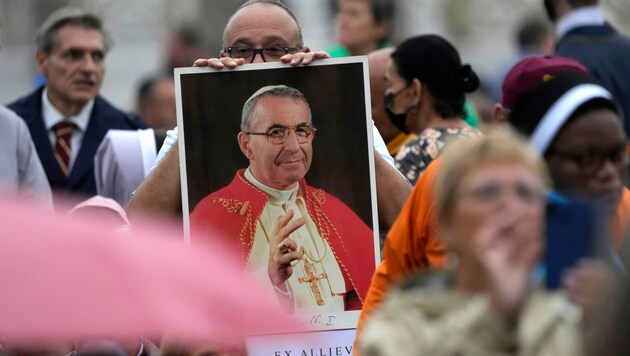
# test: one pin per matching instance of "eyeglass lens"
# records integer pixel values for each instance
(248, 53)
(280, 134)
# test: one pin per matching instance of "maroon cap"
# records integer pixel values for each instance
(531, 71)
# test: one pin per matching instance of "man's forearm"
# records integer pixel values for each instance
(392, 191)
(160, 192)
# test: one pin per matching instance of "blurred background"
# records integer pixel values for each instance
(145, 40)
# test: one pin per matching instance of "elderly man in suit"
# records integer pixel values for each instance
(66, 117)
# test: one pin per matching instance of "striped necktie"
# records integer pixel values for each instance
(63, 151)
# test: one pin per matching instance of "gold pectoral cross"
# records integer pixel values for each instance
(312, 278)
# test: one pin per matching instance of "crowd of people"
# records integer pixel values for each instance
(473, 203)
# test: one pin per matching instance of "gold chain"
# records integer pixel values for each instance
(308, 255)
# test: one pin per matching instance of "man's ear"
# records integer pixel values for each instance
(41, 59)
(222, 54)
(244, 144)
(305, 49)
(498, 115)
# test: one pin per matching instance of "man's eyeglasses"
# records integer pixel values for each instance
(279, 134)
(590, 162)
(272, 52)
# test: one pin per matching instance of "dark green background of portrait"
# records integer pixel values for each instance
(212, 103)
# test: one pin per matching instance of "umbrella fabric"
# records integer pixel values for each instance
(71, 280)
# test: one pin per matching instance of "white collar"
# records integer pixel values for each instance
(583, 16)
(52, 116)
(275, 195)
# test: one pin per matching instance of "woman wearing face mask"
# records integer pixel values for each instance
(426, 82)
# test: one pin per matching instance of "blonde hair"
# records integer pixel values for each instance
(465, 154)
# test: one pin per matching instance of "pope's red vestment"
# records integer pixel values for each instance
(230, 215)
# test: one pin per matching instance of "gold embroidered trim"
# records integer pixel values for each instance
(246, 235)
(327, 229)
(231, 205)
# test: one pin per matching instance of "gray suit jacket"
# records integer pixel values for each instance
(22, 175)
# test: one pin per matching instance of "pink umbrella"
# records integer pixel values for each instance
(65, 280)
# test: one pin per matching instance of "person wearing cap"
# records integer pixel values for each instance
(413, 243)
(66, 117)
(526, 75)
(584, 34)
(574, 123)
(306, 246)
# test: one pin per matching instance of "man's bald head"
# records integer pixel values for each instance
(254, 12)
(377, 61)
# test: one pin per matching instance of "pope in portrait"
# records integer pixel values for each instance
(306, 246)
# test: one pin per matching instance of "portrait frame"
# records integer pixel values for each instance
(343, 151)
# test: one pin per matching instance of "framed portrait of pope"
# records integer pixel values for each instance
(277, 162)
